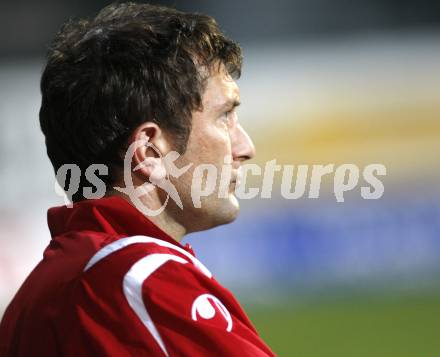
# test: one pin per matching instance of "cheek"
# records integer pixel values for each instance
(218, 146)
(209, 143)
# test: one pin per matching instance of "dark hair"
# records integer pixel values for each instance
(132, 63)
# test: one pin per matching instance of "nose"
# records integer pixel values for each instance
(242, 146)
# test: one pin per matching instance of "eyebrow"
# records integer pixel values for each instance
(228, 105)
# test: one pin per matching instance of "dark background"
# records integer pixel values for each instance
(27, 26)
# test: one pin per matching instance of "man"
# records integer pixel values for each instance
(137, 83)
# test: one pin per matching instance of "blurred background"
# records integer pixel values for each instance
(323, 82)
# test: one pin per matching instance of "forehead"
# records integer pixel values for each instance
(220, 89)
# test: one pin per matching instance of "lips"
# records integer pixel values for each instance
(234, 178)
(238, 176)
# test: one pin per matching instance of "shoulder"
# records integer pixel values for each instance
(162, 296)
(138, 257)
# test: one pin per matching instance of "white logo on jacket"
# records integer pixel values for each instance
(206, 306)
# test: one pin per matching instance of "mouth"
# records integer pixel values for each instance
(238, 176)
(235, 182)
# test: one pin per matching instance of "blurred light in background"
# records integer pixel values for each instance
(323, 82)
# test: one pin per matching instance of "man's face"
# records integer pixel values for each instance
(215, 134)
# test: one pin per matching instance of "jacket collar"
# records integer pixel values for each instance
(113, 215)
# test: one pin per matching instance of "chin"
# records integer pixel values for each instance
(227, 211)
(220, 212)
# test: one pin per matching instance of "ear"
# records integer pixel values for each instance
(152, 144)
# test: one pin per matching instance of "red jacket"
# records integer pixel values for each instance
(113, 283)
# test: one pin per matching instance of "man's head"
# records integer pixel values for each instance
(140, 71)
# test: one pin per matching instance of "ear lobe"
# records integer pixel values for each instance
(153, 168)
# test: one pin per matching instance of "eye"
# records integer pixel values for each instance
(229, 117)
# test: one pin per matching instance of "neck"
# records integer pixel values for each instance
(163, 220)
(168, 225)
